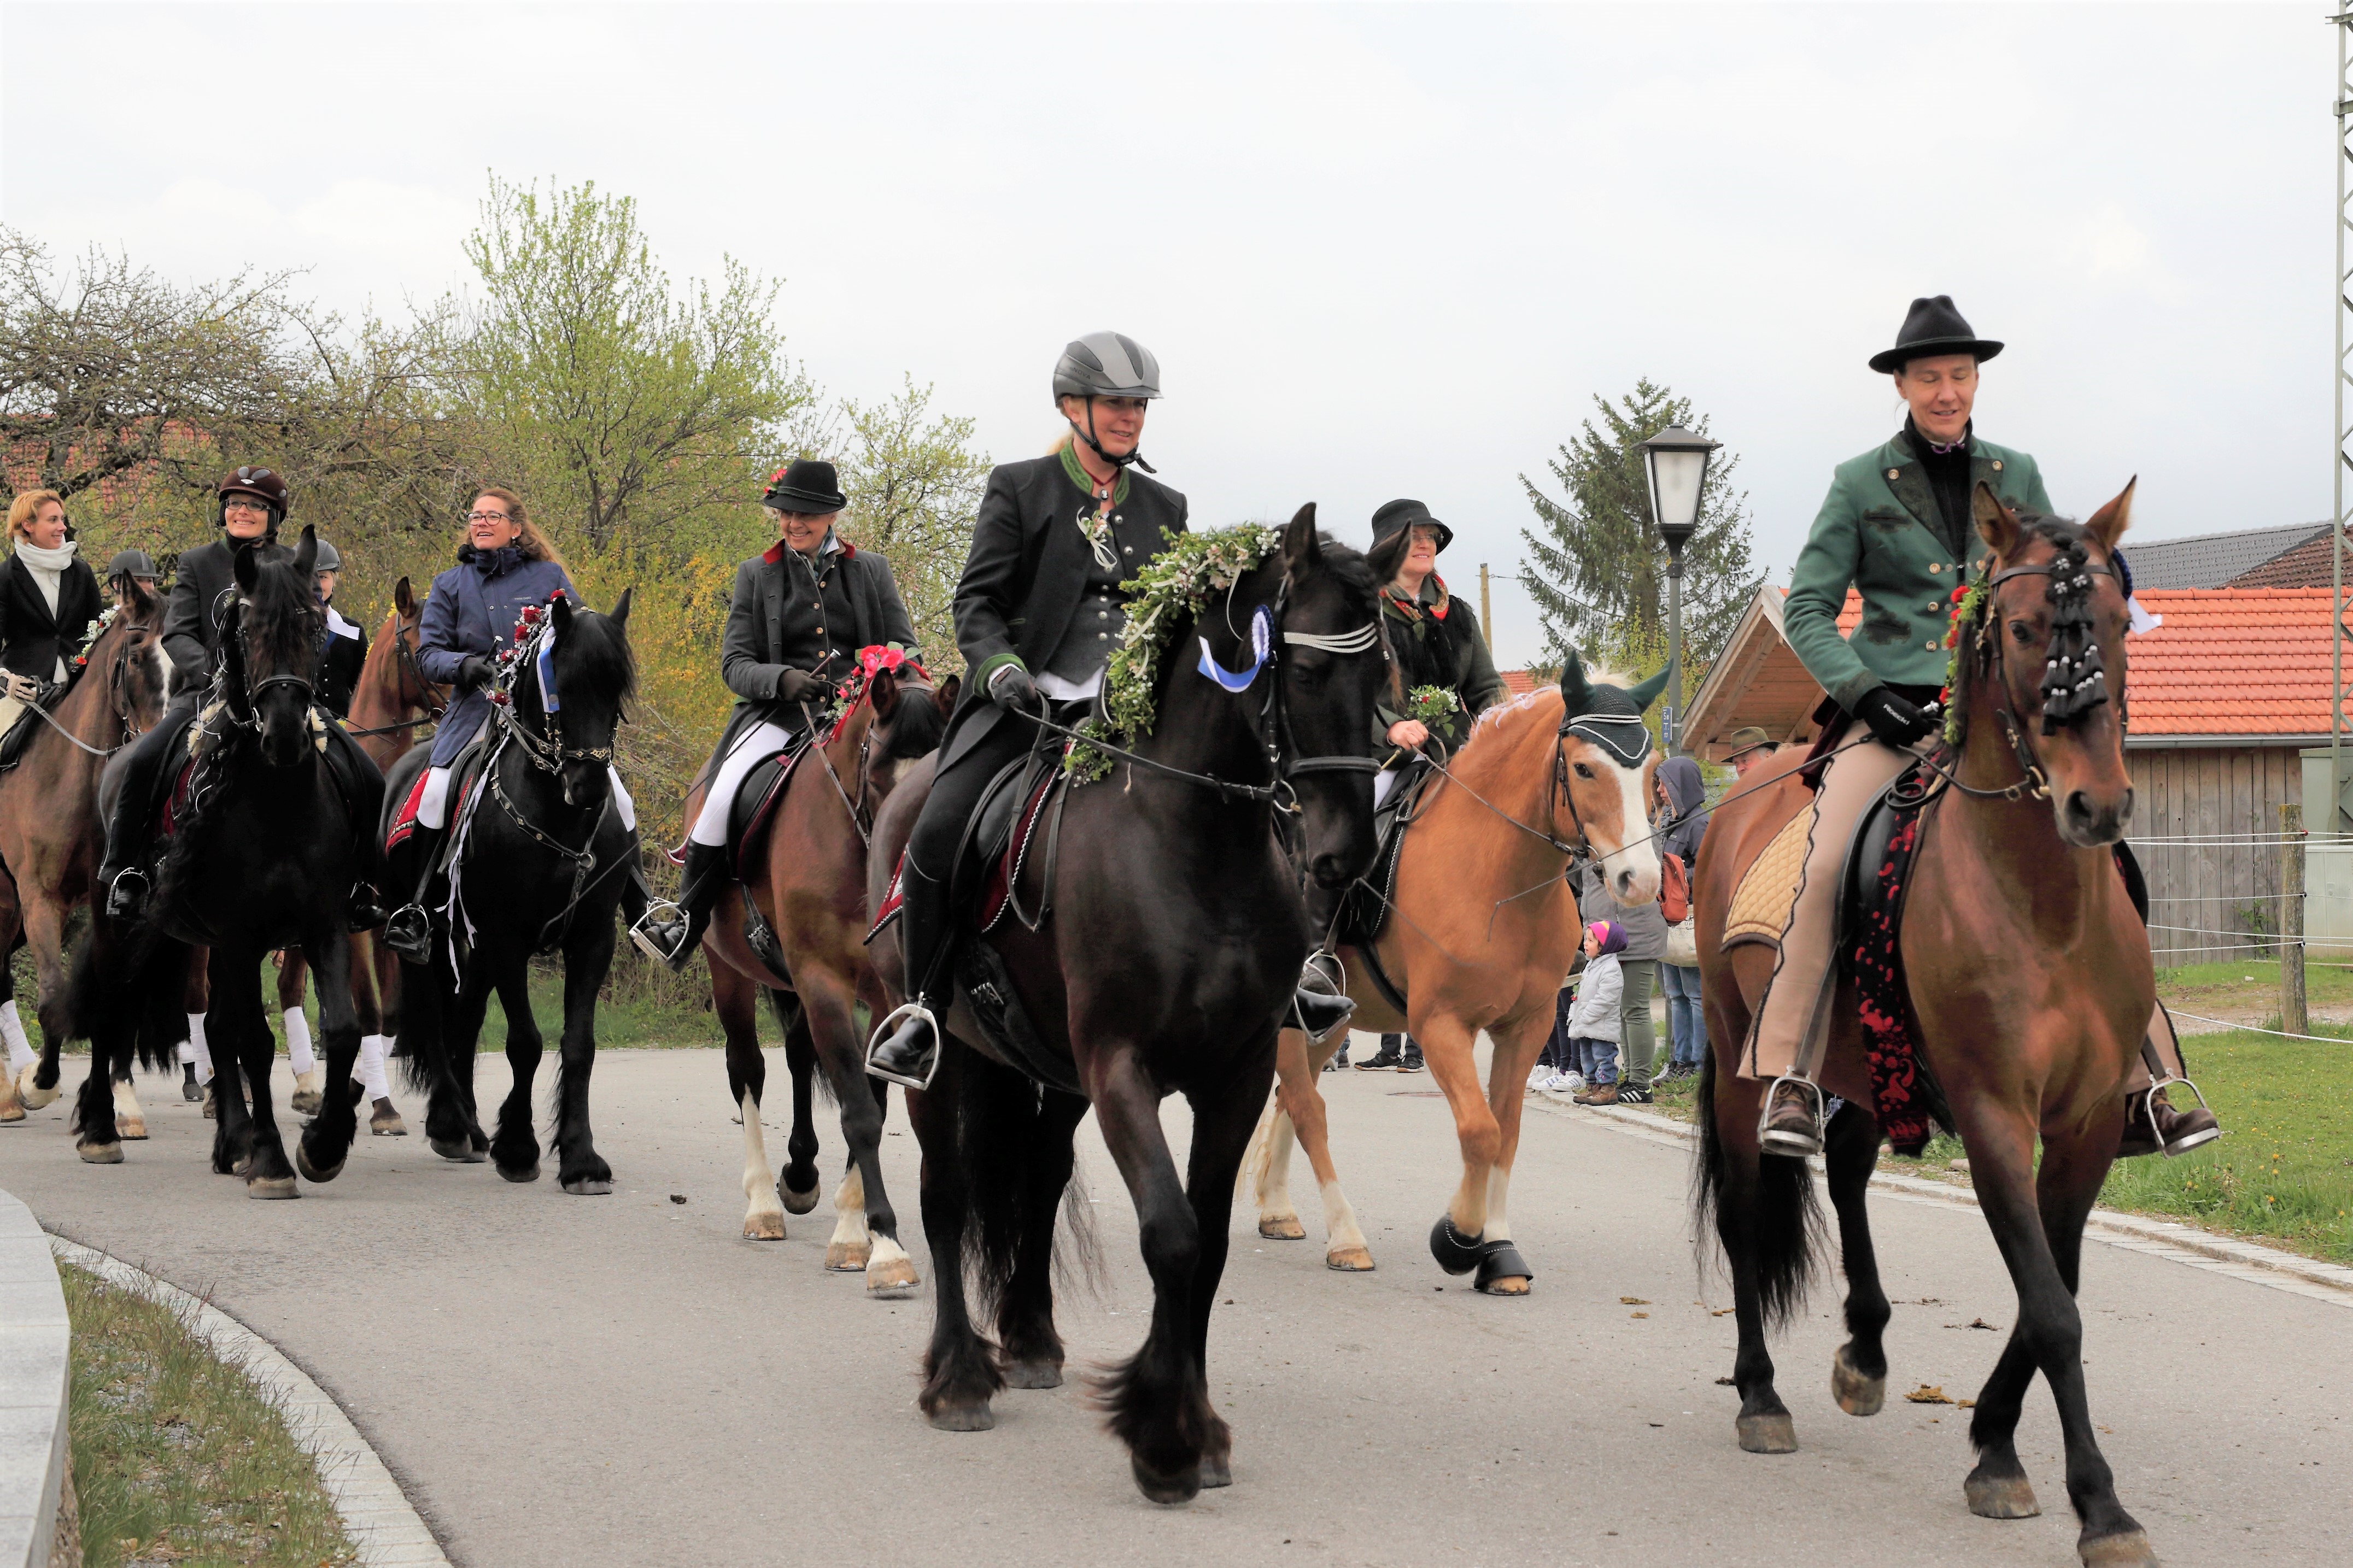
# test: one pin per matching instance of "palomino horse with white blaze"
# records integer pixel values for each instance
(51, 836)
(1478, 935)
(810, 888)
(2030, 990)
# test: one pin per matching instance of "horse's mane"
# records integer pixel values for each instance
(593, 649)
(917, 725)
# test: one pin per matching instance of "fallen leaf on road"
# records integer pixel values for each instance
(1631, 1301)
(1637, 1314)
(1966, 1404)
(1720, 1311)
(677, 1197)
(1927, 1394)
(1725, 1383)
(1981, 1323)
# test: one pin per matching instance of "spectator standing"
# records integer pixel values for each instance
(1645, 926)
(1752, 748)
(1597, 1021)
(1682, 822)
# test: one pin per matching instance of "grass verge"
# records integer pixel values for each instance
(178, 1457)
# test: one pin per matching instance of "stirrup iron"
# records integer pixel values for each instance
(659, 912)
(2173, 1150)
(409, 931)
(889, 1027)
(1766, 1143)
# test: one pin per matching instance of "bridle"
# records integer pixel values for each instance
(546, 751)
(856, 689)
(2073, 682)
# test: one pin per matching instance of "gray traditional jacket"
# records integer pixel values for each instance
(800, 615)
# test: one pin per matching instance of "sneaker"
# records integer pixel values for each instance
(1412, 1062)
(1562, 1083)
(1385, 1060)
(1538, 1074)
(1633, 1094)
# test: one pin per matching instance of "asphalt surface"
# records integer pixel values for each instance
(624, 1380)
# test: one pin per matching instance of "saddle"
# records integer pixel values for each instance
(754, 810)
(465, 779)
(1365, 908)
(27, 725)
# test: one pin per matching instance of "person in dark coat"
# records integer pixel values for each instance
(801, 610)
(127, 568)
(252, 504)
(505, 566)
(48, 600)
(343, 653)
(1037, 612)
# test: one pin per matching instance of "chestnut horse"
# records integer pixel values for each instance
(2032, 986)
(810, 889)
(51, 833)
(1482, 930)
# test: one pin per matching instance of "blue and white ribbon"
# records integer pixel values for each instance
(1262, 638)
(548, 702)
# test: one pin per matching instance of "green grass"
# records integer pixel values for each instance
(177, 1458)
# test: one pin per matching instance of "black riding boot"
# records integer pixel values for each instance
(408, 930)
(671, 937)
(909, 1053)
(1317, 1005)
(119, 871)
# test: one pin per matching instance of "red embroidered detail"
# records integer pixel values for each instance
(404, 823)
(1884, 1001)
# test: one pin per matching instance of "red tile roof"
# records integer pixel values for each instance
(2232, 662)
(2305, 566)
(1517, 683)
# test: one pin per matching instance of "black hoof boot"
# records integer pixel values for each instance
(1456, 1253)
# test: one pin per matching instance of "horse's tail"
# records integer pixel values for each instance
(1252, 1174)
(1007, 1154)
(1784, 1229)
(423, 1004)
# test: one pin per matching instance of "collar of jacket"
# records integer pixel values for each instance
(1907, 476)
(1433, 595)
(491, 563)
(834, 545)
(1079, 476)
(339, 628)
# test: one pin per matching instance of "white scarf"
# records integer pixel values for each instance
(46, 567)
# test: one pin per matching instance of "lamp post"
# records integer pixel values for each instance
(1676, 463)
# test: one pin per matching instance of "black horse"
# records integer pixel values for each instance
(1168, 959)
(539, 863)
(262, 857)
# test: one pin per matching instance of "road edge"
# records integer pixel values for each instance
(384, 1525)
(2310, 1278)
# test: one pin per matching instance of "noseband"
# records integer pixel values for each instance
(2073, 679)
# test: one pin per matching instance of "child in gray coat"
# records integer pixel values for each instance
(1593, 1024)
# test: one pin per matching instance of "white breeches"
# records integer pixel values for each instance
(433, 806)
(754, 746)
(1382, 781)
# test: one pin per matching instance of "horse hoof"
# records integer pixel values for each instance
(764, 1227)
(1506, 1285)
(12, 1112)
(2010, 1497)
(385, 1122)
(1773, 1433)
(305, 1102)
(35, 1096)
(892, 1281)
(99, 1153)
(520, 1173)
(796, 1203)
(962, 1419)
(191, 1090)
(1285, 1227)
(271, 1188)
(1033, 1374)
(588, 1186)
(212, 1105)
(1856, 1395)
(1217, 1470)
(312, 1173)
(1350, 1259)
(457, 1149)
(848, 1257)
(1182, 1487)
(131, 1129)
(2130, 1549)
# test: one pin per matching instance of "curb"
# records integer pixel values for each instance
(2185, 1244)
(376, 1515)
(35, 1345)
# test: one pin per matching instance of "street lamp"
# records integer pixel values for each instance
(1676, 461)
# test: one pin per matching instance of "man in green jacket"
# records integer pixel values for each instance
(1897, 527)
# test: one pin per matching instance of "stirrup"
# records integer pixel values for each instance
(127, 894)
(889, 1027)
(1771, 1142)
(659, 912)
(409, 931)
(2197, 1141)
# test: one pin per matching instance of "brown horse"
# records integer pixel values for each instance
(2030, 985)
(1482, 929)
(51, 835)
(391, 701)
(810, 889)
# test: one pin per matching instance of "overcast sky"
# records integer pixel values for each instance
(1379, 252)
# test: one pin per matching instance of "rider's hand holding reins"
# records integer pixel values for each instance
(1893, 721)
(1409, 732)
(1012, 690)
(802, 685)
(474, 673)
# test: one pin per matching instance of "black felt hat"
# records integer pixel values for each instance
(1932, 327)
(807, 486)
(1397, 516)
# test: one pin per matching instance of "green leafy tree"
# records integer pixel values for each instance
(1598, 568)
(914, 485)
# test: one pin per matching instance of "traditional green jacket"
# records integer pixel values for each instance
(1878, 531)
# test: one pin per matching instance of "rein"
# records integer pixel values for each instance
(131, 729)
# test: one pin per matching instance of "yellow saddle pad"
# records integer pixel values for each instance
(1760, 905)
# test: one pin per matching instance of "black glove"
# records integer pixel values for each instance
(474, 673)
(801, 685)
(1012, 690)
(1896, 722)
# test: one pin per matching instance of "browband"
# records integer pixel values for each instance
(1629, 749)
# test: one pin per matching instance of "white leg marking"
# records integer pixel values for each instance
(889, 1271)
(130, 1121)
(1274, 1190)
(764, 1219)
(299, 1054)
(846, 1252)
(1344, 1239)
(1499, 1186)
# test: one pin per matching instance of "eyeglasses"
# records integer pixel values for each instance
(252, 506)
(486, 516)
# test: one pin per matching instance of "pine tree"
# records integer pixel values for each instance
(1598, 568)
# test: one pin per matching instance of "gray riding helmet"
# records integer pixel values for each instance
(132, 564)
(1106, 364)
(327, 559)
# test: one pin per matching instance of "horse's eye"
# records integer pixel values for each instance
(2021, 633)
(1583, 771)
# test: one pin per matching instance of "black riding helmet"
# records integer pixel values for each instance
(263, 485)
(1106, 364)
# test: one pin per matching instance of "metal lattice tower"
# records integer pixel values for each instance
(2343, 291)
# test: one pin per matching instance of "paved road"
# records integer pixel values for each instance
(623, 1379)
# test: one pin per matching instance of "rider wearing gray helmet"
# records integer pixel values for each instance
(127, 567)
(1037, 612)
(342, 647)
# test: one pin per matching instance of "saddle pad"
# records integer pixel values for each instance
(1906, 1096)
(1365, 907)
(1005, 869)
(1761, 904)
(177, 802)
(404, 822)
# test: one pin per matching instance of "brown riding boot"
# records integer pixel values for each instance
(2173, 1131)
(1793, 1120)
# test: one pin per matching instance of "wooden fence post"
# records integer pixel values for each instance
(2291, 925)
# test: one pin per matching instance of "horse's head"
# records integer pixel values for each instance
(909, 717)
(405, 629)
(1330, 668)
(131, 653)
(276, 628)
(2045, 657)
(1602, 780)
(594, 674)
